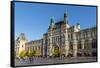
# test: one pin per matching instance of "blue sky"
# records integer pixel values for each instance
(33, 19)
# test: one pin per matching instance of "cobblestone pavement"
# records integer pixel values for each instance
(39, 61)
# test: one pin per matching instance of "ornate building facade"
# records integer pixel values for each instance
(70, 40)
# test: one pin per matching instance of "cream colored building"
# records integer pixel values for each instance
(36, 45)
(71, 40)
(20, 44)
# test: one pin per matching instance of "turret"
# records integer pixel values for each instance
(65, 17)
(66, 20)
(78, 26)
(52, 23)
(22, 36)
(20, 44)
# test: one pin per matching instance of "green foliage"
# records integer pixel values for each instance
(26, 53)
(34, 52)
(56, 52)
(37, 53)
(22, 54)
(30, 52)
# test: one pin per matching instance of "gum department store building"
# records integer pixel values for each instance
(69, 39)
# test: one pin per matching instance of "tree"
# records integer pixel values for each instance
(38, 53)
(56, 52)
(30, 52)
(22, 54)
(34, 53)
(26, 53)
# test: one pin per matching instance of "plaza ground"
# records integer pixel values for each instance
(40, 61)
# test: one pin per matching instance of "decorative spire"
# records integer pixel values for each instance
(65, 17)
(65, 14)
(52, 22)
(52, 19)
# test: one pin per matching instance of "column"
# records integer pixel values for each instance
(66, 43)
(74, 45)
(50, 52)
(43, 50)
(90, 46)
(82, 43)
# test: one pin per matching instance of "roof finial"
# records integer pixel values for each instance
(65, 17)
(52, 22)
(52, 19)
